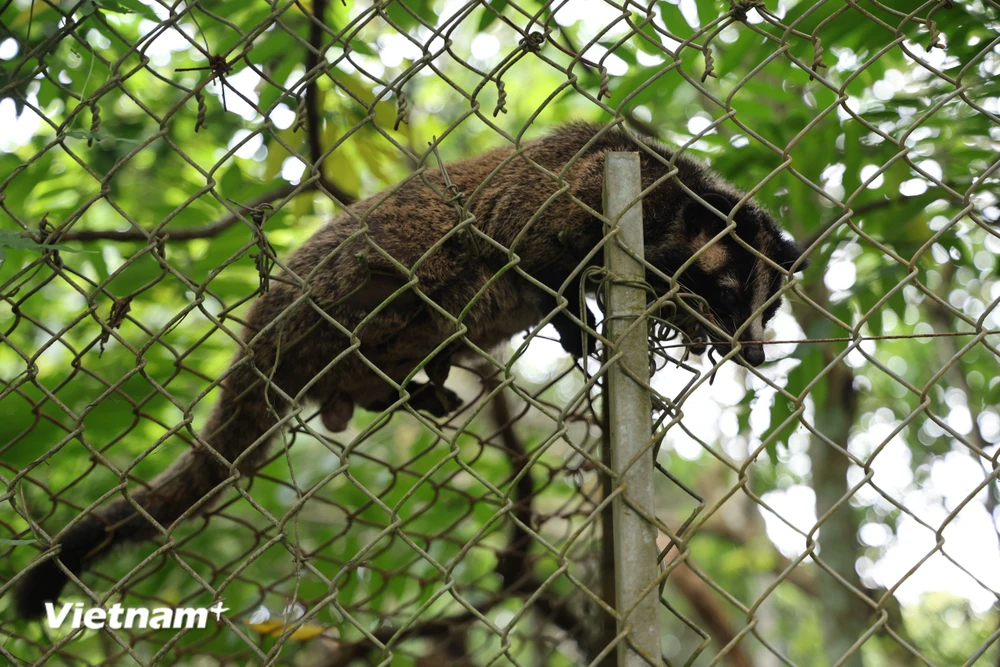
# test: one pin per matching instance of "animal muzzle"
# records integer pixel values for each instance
(700, 338)
(751, 351)
(752, 354)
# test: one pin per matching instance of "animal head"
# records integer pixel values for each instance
(737, 274)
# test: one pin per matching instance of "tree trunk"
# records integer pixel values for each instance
(845, 616)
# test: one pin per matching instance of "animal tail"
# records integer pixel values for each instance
(239, 429)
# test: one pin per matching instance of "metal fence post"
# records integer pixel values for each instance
(630, 418)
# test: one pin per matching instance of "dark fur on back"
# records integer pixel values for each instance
(290, 342)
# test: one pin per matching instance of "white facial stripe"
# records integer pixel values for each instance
(761, 284)
(729, 281)
(756, 329)
(760, 279)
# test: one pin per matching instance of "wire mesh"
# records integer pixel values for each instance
(165, 159)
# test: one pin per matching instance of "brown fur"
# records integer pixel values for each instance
(298, 343)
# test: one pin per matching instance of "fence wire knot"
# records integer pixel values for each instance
(119, 309)
(95, 122)
(200, 122)
(740, 8)
(532, 42)
(265, 258)
(817, 62)
(301, 115)
(501, 98)
(219, 67)
(46, 234)
(454, 194)
(605, 82)
(401, 109)
(709, 65)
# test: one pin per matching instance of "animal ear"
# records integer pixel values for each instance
(699, 218)
(788, 254)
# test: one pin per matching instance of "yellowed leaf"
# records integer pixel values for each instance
(276, 628)
(307, 631)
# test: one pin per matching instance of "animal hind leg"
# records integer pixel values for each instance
(336, 413)
(436, 398)
(427, 396)
(432, 397)
(571, 336)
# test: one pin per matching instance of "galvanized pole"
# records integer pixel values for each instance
(630, 418)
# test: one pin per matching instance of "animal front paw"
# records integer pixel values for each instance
(437, 400)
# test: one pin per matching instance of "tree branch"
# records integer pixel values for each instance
(513, 564)
(860, 210)
(183, 234)
(846, 608)
(866, 208)
(313, 121)
(313, 130)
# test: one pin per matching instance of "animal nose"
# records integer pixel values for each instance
(753, 353)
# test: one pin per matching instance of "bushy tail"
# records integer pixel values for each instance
(240, 419)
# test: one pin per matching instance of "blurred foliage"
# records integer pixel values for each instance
(108, 97)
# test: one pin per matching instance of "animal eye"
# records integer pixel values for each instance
(729, 300)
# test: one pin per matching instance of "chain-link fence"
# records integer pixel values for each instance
(162, 162)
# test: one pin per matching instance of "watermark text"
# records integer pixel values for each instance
(118, 617)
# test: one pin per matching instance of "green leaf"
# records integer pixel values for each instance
(491, 14)
(402, 16)
(128, 7)
(231, 182)
(674, 21)
(93, 136)
(19, 241)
